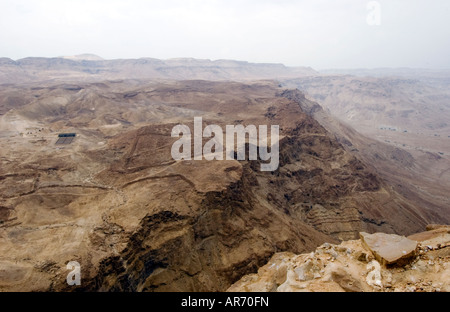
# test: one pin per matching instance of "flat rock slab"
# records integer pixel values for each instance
(389, 249)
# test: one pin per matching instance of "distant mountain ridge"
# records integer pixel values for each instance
(92, 67)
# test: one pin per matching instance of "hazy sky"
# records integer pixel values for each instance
(317, 33)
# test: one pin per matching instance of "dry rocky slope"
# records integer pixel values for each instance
(375, 263)
(403, 115)
(116, 202)
(409, 106)
(420, 176)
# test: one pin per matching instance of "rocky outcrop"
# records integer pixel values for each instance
(353, 267)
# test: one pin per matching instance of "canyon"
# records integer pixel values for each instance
(115, 201)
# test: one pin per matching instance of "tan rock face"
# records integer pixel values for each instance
(389, 249)
(351, 267)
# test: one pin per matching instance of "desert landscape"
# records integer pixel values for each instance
(359, 152)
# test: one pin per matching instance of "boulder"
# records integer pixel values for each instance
(389, 249)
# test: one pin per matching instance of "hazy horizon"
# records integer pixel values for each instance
(331, 69)
(322, 34)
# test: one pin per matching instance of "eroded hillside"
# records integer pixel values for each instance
(115, 201)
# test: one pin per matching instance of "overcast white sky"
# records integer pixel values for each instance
(317, 33)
